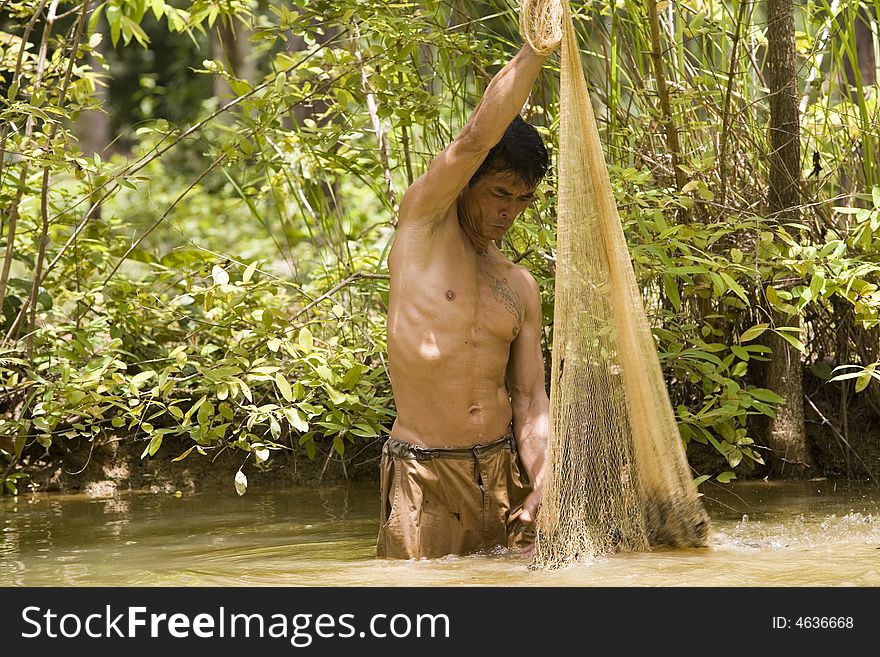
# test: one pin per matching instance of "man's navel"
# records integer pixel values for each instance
(450, 295)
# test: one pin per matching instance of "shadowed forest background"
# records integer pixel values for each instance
(197, 199)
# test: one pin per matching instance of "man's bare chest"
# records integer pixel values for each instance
(467, 302)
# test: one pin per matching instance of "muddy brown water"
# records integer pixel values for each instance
(813, 533)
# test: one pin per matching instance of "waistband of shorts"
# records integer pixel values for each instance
(403, 450)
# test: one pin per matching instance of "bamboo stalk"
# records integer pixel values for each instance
(725, 121)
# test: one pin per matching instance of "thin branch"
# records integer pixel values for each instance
(348, 281)
(373, 109)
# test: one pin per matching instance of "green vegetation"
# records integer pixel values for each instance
(196, 201)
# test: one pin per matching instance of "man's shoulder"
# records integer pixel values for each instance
(415, 222)
(521, 276)
(414, 211)
(421, 241)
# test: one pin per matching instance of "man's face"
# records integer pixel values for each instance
(493, 202)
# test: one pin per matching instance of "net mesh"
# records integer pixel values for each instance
(616, 477)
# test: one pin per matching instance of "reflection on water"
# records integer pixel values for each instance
(763, 534)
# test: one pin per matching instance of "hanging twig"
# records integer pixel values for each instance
(841, 437)
(373, 110)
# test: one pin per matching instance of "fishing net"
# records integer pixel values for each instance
(616, 476)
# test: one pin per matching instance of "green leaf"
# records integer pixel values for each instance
(734, 457)
(739, 352)
(296, 419)
(274, 427)
(821, 369)
(305, 340)
(753, 332)
(248, 274)
(283, 387)
(699, 480)
(670, 286)
(245, 390)
(363, 430)
(352, 377)
(308, 441)
(817, 284)
(131, 27)
(765, 395)
(764, 408)
(793, 341)
(114, 20)
(335, 396)
(158, 7)
(141, 377)
(153, 447)
(94, 18)
(735, 287)
(726, 477)
(184, 455)
(280, 81)
(265, 369)
(864, 379)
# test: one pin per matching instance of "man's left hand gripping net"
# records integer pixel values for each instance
(616, 477)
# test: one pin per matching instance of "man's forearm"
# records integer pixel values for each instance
(503, 98)
(531, 435)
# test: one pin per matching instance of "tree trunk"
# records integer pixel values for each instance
(864, 50)
(93, 126)
(787, 436)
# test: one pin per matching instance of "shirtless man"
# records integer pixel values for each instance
(464, 327)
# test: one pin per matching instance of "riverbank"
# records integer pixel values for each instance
(112, 464)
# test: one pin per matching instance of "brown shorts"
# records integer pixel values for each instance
(438, 501)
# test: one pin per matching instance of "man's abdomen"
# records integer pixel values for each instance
(448, 398)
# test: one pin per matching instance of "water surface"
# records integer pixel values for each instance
(763, 534)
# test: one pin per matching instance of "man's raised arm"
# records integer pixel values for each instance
(431, 196)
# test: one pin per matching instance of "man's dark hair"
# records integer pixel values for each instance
(521, 151)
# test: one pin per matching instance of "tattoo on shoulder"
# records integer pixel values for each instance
(509, 298)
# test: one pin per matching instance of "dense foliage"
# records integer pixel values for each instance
(213, 277)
